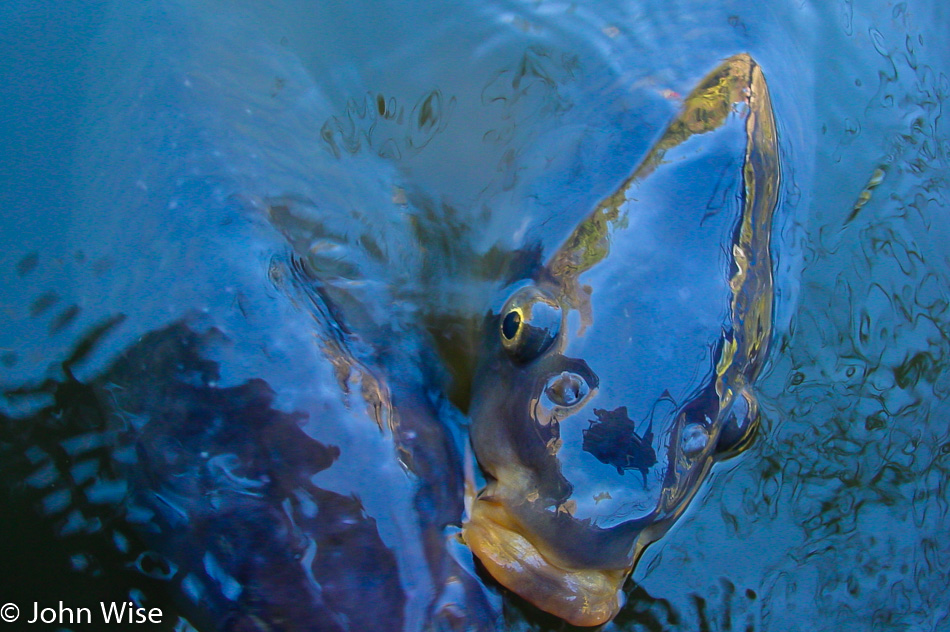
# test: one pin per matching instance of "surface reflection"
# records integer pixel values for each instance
(302, 214)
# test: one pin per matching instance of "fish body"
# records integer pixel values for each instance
(617, 374)
(226, 394)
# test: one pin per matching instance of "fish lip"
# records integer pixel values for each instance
(583, 597)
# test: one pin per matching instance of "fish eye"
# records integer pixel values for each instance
(530, 322)
(511, 324)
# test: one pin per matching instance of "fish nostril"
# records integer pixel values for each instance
(567, 389)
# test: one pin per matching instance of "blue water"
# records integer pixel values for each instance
(167, 161)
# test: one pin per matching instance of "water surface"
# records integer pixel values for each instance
(170, 167)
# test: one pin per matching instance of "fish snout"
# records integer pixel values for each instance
(580, 596)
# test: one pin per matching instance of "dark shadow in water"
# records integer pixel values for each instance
(151, 482)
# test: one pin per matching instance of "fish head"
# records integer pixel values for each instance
(614, 378)
(588, 457)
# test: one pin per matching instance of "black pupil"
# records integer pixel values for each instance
(510, 325)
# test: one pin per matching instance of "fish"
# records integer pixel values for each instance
(613, 377)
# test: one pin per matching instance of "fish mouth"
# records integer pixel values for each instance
(583, 597)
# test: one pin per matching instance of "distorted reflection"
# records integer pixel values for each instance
(269, 267)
